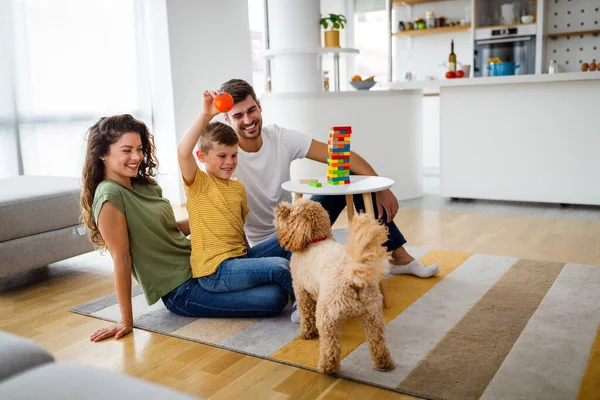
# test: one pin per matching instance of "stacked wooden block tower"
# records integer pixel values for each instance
(338, 155)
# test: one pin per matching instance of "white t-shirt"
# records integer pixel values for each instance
(263, 172)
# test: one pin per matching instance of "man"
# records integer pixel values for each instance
(265, 154)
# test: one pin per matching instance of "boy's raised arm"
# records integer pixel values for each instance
(185, 150)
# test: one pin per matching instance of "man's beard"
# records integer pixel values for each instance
(243, 134)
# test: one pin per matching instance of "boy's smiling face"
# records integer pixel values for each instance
(220, 161)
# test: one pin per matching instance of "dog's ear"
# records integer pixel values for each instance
(282, 210)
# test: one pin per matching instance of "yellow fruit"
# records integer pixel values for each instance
(356, 78)
(371, 78)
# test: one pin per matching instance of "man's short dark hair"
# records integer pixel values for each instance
(217, 132)
(239, 89)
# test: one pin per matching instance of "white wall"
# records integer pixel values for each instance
(423, 55)
(208, 43)
(431, 135)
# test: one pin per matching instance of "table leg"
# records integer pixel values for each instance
(350, 206)
(368, 200)
(297, 196)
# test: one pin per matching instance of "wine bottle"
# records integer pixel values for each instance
(452, 58)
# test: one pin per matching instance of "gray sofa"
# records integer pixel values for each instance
(27, 371)
(39, 222)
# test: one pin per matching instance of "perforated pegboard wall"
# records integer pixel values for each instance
(573, 16)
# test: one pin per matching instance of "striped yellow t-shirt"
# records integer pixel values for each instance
(217, 210)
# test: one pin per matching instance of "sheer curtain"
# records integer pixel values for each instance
(9, 163)
(73, 61)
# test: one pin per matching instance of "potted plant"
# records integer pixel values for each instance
(332, 35)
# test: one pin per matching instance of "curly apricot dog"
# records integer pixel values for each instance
(333, 282)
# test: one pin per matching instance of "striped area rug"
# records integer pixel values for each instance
(487, 327)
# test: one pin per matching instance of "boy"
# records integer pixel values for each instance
(217, 208)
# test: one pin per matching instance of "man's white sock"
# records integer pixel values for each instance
(415, 268)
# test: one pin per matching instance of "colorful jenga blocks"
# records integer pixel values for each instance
(338, 155)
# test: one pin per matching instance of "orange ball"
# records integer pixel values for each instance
(223, 102)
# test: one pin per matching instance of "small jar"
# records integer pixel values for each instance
(430, 19)
(553, 67)
(326, 81)
(420, 24)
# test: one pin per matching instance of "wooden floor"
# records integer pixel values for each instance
(36, 306)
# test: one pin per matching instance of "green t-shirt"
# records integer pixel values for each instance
(160, 252)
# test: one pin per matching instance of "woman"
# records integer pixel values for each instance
(125, 213)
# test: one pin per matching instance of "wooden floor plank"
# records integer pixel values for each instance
(36, 304)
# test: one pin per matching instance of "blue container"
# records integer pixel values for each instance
(502, 69)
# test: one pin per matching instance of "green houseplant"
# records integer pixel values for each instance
(332, 24)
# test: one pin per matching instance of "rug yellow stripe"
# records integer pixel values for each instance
(590, 385)
(403, 291)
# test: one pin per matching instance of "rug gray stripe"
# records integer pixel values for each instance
(412, 334)
(265, 336)
(162, 320)
(99, 304)
(139, 306)
(549, 359)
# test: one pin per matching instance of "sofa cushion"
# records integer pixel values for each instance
(71, 381)
(18, 354)
(35, 251)
(36, 204)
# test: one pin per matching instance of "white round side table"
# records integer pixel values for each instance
(359, 184)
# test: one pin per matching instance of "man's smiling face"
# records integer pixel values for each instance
(246, 118)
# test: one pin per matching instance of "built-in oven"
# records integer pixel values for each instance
(509, 44)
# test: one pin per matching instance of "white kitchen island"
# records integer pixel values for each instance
(529, 138)
(386, 130)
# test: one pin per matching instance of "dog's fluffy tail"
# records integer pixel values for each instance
(366, 237)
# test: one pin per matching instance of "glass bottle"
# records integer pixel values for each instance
(452, 58)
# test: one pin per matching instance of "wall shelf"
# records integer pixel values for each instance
(554, 36)
(433, 31)
(309, 50)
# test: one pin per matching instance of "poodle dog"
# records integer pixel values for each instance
(332, 282)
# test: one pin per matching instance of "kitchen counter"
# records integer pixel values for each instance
(496, 80)
(521, 138)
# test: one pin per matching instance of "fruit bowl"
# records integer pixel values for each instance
(362, 85)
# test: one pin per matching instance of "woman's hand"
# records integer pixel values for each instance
(118, 331)
(208, 103)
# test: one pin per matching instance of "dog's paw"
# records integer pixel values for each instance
(307, 334)
(384, 365)
(328, 368)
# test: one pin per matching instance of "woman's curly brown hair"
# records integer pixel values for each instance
(99, 138)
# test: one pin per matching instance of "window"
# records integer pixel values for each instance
(371, 39)
(74, 61)
(256, 17)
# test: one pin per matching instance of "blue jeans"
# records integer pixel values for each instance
(190, 300)
(336, 204)
(263, 263)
